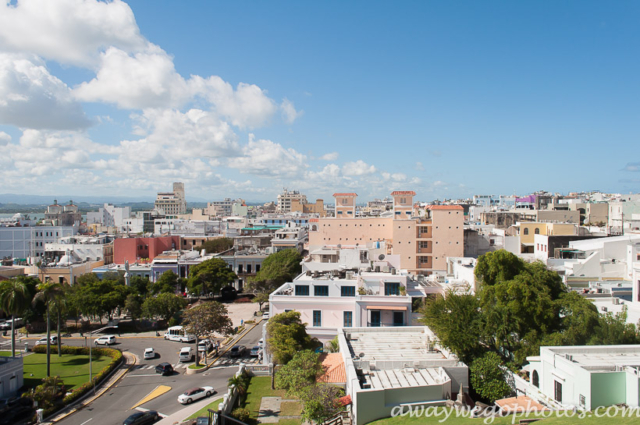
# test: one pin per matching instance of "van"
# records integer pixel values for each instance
(186, 354)
(105, 340)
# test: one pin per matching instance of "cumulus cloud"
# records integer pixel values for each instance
(4, 138)
(357, 168)
(396, 177)
(289, 113)
(266, 158)
(68, 31)
(332, 156)
(31, 97)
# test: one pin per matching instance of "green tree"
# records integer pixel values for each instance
(287, 336)
(613, 329)
(241, 382)
(133, 306)
(498, 266)
(278, 268)
(488, 378)
(164, 306)
(579, 317)
(205, 319)
(458, 323)
(15, 299)
(140, 285)
(261, 298)
(59, 308)
(321, 402)
(215, 246)
(210, 276)
(166, 283)
(301, 371)
(47, 293)
(333, 346)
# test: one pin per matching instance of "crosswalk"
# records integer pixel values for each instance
(149, 367)
(223, 361)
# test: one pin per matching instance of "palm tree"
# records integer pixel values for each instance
(59, 305)
(240, 382)
(48, 292)
(14, 299)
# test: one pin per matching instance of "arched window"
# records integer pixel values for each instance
(535, 379)
(537, 231)
(526, 231)
(314, 228)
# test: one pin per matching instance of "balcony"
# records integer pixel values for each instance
(384, 325)
(424, 264)
(424, 232)
(424, 250)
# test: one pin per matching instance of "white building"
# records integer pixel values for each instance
(586, 377)
(85, 248)
(109, 216)
(285, 198)
(172, 203)
(395, 367)
(292, 236)
(26, 242)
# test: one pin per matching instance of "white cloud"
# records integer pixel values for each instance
(68, 31)
(332, 156)
(419, 166)
(266, 158)
(31, 97)
(4, 138)
(396, 177)
(289, 113)
(357, 168)
(141, 80)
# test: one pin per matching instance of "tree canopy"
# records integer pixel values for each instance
(287, 336)
(210, 276)
(301, 371)
(205, 319)
(488, 378)
(278, 268)
(164, 306)
(215, 246)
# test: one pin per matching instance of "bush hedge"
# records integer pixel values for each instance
(76, 393)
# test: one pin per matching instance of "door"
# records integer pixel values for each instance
(398, 318)
(375, 318)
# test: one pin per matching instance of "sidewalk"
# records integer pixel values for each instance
(130, 361)
(183, 414)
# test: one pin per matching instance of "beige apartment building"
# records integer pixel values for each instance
(423, 243)
(172, 203)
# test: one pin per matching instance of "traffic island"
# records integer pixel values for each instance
(193, 369)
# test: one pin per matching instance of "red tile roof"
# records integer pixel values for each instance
(445, 207)
(344, 401)
(313, 220)
(403, 192)
(521, 403)
(334, 372)
(344, 194)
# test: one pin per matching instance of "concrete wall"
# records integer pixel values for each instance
(448, 236)
(131, 249)
(608, 389)
(632, 388)
(11, 376)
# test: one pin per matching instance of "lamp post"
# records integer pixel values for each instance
(91, 351)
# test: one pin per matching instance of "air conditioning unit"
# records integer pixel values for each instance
(603, 308)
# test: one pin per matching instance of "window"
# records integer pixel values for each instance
(392, 288)
(348, 319)
(557, 391)
(537, 231)
(348, 291)
(582, 400)
(321, 291)
(302, 290)
(535, 379)
(317, 318)
(526, 231)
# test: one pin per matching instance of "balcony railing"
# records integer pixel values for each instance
(427, 250)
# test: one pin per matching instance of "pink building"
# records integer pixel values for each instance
(422, 243)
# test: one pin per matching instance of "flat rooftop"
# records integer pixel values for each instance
(404, 378)
(606, 357)
(403, 344)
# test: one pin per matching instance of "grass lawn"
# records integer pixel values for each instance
(291, 408)
(260, 386)
(552, 420)
(72, 369)
(204, 411)
(289, 422)
(6, 353)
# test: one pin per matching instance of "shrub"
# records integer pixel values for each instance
(173, 322)
(241, 414)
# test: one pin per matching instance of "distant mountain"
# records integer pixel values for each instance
(41, 200)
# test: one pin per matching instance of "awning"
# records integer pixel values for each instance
(386, 307)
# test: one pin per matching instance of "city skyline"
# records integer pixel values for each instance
(243, 99)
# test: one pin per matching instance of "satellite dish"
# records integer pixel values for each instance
(361, 355)
(381, 257)
(339, 246)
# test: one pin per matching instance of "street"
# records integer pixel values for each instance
(113, 407)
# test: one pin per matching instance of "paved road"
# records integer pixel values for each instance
(117, 403)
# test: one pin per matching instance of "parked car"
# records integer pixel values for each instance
(255, 351)
(142, 418)
(164, 368)
(43, 340)
(149, 353)
(186, 354)
(261, 343)
(205, 346)
(195, 394)
(6, 326)
(105, 340)
(237, 351)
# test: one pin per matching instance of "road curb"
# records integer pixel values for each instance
(82, 403)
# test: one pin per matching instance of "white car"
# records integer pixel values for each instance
(195, 394)
(204, 346)
(149, 353)
(186, 354)
(105, 340)
(43, 340)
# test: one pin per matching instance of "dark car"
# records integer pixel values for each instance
(164, 369)
(237, 351)
(142, 418)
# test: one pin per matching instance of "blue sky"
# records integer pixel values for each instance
(449, 99)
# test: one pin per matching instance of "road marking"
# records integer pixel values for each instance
(86, 421)
(142, 374)
(158, 391)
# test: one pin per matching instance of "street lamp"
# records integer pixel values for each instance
(90, 353)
